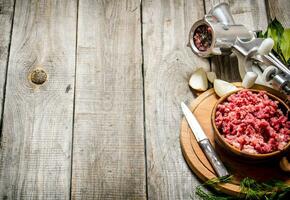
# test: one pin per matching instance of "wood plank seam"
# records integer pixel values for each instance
(267, 6)
(204, 9)
(74, 101)
(144, 105)
(6, 72)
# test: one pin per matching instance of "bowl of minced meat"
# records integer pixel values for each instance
(253, 124)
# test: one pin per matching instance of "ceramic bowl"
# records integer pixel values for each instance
(237, 152)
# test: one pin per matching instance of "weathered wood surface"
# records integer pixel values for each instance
(35, 153)
(168, 64)
(280, 10)
(6, 16)
(250, 13)
(108, 150)
(115, 114)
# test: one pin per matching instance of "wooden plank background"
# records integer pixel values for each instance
(6, 17)
(35, 154)
(108, 150)
(105, 124)
(168, 64)
(280, 10)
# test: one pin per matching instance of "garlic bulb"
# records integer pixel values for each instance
(222, 88)
(198, 80)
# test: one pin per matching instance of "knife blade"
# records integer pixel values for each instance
(204, 142)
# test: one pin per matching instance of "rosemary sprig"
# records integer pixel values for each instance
(213, 182)
(271, 190)
(250, 190)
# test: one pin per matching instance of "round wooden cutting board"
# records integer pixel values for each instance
(202, 107)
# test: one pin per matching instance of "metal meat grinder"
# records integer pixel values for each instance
(218, 34)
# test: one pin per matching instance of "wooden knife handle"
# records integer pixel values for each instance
(213, 158)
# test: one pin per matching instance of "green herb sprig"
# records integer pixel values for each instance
(281, 37)
(250, 190)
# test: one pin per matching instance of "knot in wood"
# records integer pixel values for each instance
(38, 76)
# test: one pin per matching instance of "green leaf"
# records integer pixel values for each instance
(275, 31)
(280, 54)
(260, 34)
(285, 44)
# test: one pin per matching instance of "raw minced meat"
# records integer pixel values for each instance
(202, 37)
(253, 123)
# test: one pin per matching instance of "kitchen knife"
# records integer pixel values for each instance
(203, 142)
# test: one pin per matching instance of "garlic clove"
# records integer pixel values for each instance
(249, 79)
(222, 88)
(285, 165)
(211, 76)
(266, 46)
(198, 80)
